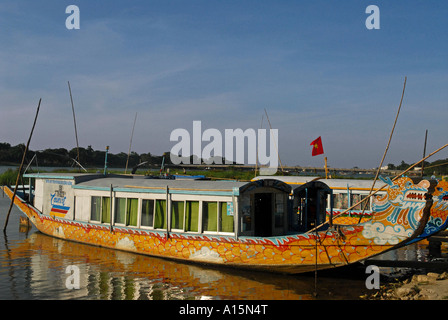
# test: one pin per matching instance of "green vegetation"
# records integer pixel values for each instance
(60, 157)
(8, 177)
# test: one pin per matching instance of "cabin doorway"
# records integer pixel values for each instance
(310, 205)
(263, 214)
(262, 207)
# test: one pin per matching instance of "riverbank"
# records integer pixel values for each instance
(429, 286)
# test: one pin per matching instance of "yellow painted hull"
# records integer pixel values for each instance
(287, 254)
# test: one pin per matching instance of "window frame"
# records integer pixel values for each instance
(126, 218)
(197, 213)
(100, 209)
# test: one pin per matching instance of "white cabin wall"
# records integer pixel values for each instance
(82, 208)
(39, 194)
(57, 192)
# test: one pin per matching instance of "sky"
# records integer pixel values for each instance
(313, 66)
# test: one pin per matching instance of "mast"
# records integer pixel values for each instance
(74, 121)
(130, 144)
(424, 152)
(21, 166)
(275, 144)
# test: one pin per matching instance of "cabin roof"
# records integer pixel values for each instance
(136, 184)
(332, 183)
(160, 185)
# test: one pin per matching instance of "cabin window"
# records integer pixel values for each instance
(226, 219)
(160, 215)
(120, 210)
(177, 215)
(355, 198)
(340, 201)
(95, 210)
(192, 216)
(147, 213)
(105, 210)
(100, 209)
(131, 212)
(126, 211)
(209, 216)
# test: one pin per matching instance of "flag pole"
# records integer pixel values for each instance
(326, 168)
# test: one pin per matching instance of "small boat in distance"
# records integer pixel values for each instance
(251, 225)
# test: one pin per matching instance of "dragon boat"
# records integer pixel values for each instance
(264, 224)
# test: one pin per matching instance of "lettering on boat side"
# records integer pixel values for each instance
(373, 281)
(229, 309)
(72, 281)
(190, 146)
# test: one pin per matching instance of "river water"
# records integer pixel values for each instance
(34, 266)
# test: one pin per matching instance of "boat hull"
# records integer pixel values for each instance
(285, 254)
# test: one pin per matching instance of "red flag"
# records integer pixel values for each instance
(317, 147)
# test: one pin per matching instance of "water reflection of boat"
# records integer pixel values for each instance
(113, 274)
(239, 224)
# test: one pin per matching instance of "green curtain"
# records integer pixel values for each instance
(192, 216)
(210, 216)
(177, 215)
(159, 219)
(226, 219)
(120, 210)
(95, 209)
(132, 212)
(105, 210)
(147, 213)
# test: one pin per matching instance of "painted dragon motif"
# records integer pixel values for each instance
(401, 207)
(438, 219)
(403, 202)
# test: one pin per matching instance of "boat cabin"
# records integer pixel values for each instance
(310, 203)
(344, 193)
(258, 208)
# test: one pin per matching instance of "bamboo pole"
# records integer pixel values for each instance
(130, 144)
(256, 163)
(21, 166)
(275, 144)
(424, 152)
(375, 192)
(74, 120)
(387, 147)
(326, 168)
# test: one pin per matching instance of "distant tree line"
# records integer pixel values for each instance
(88, 157)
